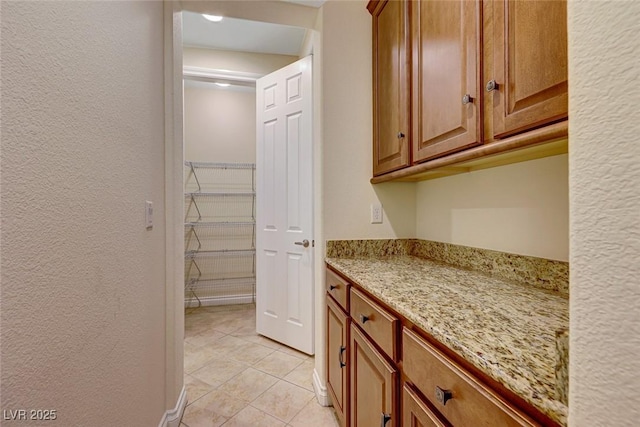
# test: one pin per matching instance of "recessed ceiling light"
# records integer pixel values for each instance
(222, 84)
(212, 18)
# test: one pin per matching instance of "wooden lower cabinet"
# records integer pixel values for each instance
(416, 413)
(371, 348)
(373, 385)
(338, 360)
(458, 396)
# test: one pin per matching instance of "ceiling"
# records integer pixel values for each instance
(242, 35)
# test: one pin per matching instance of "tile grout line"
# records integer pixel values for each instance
(302, 359)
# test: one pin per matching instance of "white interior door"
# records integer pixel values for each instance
(284, 214)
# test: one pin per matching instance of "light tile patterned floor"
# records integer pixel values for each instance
(237, 378)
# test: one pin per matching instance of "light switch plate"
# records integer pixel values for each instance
(376, 213)
(148, 214)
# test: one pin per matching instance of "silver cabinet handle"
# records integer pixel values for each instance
(340, 353)
(400, 135)
(304, 243)
(364, 319)
(491, 85)
(467, 99)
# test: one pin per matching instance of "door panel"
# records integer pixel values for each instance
(284, 269)
(446, 37)
(294, 202)
(373, 384)
(417, 413)
(530, 63)
(338, 360)
(391, 87)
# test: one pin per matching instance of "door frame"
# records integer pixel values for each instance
(175, 394)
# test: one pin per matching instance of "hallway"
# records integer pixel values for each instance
(235, 377)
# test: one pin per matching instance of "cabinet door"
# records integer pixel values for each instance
(337, 360)
(390, 86)
(373, 385)
(530, 64)
(416, 413)
(446, 77)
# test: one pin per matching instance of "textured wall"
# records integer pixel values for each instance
(83, 281)
(347, 121)
(521, 208)
(604, 71)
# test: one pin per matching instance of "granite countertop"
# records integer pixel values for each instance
(505, 329)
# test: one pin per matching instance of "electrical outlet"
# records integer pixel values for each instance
(376, 213)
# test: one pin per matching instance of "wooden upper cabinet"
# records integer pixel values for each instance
(391, 131)
(530, 64)
(446, 93)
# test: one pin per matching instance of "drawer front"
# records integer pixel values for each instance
(338, 288)
(457, 395)
(378, 323)
(415, 412)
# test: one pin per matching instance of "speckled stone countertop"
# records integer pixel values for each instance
(504, 328)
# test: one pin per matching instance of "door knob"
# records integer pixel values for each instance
(304, 243)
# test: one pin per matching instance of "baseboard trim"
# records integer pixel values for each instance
(210, 301)
(171, 418)
(320, 390)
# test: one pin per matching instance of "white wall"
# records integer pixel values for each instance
(347, 128)
(247, 62)
(83, 281)
(604, 70)
(521, 208)
(220, 122)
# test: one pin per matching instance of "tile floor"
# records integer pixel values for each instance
(235, 377)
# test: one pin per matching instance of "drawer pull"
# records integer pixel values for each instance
(364, 319)
(384, 418)
(342, 349)
(332, 287)
(443, 396)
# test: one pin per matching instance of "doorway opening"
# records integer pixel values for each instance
(219, 153)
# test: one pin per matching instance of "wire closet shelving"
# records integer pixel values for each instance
(220, 233)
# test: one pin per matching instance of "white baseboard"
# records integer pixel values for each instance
(209, 301)
(172, 417)
(321, 390)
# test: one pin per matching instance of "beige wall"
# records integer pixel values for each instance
(521, 208)
(604, 64)
(347, 127)
(220, 123)
(83, 281)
